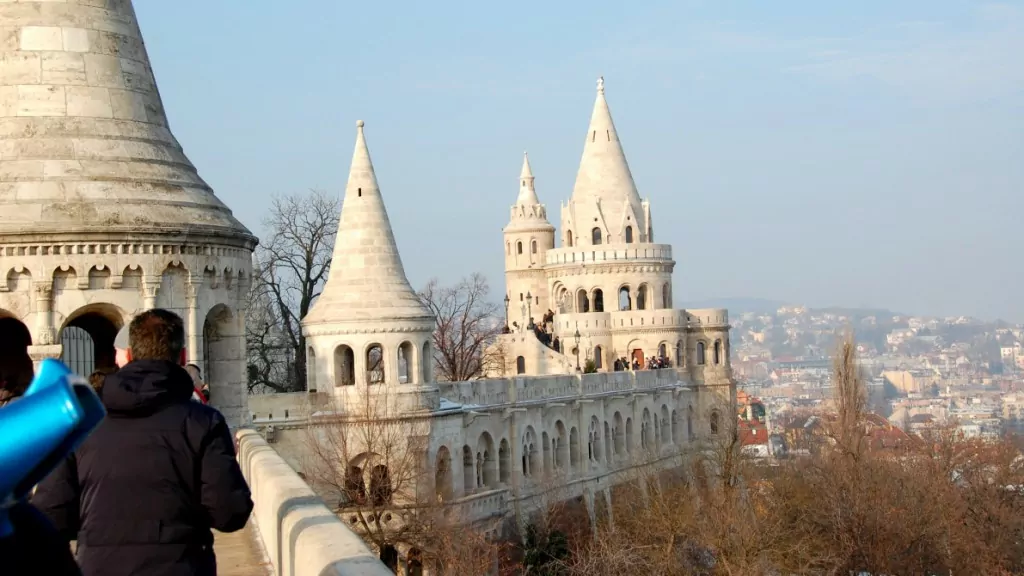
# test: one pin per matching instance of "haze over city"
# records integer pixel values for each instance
(867, 154)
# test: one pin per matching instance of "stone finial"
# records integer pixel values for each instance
(600, 85)
(360, 123)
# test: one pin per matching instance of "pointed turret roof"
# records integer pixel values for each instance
(87, 146)
(367, 282)
(527, 189)
(603, 170)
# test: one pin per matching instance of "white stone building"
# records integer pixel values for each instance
(499, 448)
(607, 282)
(103, 214)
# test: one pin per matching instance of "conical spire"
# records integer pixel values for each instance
(603, 171)
(367, 280)
(87, 146)
(527, 190)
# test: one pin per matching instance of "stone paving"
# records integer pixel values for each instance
(240, 553)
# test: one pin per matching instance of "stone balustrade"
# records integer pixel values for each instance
(300, 534)
(510, 391)
(605, 255)
(565, 323)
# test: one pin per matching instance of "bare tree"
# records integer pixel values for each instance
(269, 356)
(850, 397)
(467, 324)
(294, 262)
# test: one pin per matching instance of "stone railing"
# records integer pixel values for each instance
(509, 391)
(300, 535)
(602, 254)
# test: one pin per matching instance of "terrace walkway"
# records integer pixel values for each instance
(240, 553)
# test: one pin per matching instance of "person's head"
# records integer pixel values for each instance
(157, 334)
(121, 348)
(97, 378)
(16, 372)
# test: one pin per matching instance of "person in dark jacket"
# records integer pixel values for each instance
(141, 494)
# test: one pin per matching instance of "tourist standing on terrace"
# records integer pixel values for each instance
(143, 491)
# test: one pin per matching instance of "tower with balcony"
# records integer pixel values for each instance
(528, 237)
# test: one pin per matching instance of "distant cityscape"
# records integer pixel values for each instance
(922, 373)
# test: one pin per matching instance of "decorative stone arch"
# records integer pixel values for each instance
(625, 297)
(597, 296)
(485, 461)
(582, 301)
(561, 446)
(443, 475)
(406, 363)
(87, 337)
(504, 461)
(574, 449)
(223, 354)
(374, 356)
(618, 433)
(643, 297)
(468, 471)
(19, 278)
(99, 277)
(427, 364)
(702, 353)
(594, 447)
(64, 277)
(529, 452)
(666, 430)
(344, 365)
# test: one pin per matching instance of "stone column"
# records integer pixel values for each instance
(151, 286)
(44, 314)
(195, 352)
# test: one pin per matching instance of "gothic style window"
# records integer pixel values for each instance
(629, 234)
(596, 236)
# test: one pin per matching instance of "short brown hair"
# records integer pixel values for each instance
(157, 334)
(97, 378)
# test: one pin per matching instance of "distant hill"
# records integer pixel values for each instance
(735, 305)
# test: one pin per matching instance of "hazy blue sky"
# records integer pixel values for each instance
(849, 153)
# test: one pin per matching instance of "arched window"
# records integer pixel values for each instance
(560, 444)
(666, 298)
(468, 471)
(625, 301)
(617, 432)
(717, 355)
(504, 461)
(662, 350)
(405, 371)
(594, 440)
(629, 234)
(519, 247)
(607, 442)
(714, 422)
(443, 475)
(568, 239)
(598, 300)
(545, 445)
(530, 453)
(520, 365)
(598, 360)
(375, 364)
(574, 449)
(426, 363)
(344, 366)
(595, 236)
(701, 355)
(641, 297)
(533, 246)
(629, 435)
(582, 302)
(311, 369)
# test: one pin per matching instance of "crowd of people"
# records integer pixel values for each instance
(652, 363)
(143, 492)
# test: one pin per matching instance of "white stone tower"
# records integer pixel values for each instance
(528, 237)
(368, 332)
(103, 214)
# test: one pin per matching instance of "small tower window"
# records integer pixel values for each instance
(533, 246)
(629, 234)
(595, 235)
(360, 192)
(519, 247)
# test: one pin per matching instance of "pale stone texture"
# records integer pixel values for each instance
(103, 215)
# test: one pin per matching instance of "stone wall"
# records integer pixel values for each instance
(301, 536)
